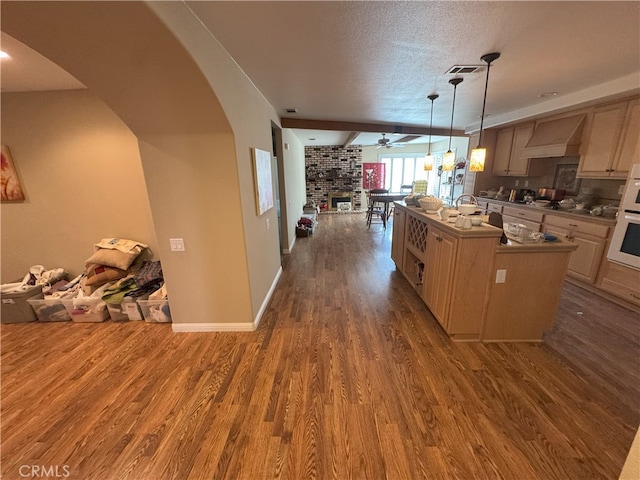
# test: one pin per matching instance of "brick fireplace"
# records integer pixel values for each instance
(336, 199)
(334, 175)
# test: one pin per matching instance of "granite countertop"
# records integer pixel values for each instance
(582, 216)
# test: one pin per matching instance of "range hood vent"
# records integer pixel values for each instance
(555, 138)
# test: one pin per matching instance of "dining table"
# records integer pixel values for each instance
(386, 199)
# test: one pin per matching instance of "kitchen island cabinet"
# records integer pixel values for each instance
(439, 258)
(397, 242)
(473, 285)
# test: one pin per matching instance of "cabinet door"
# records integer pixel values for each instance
(397, 241)
(436, 291)
(599, 148)
(520, 166)
(629, 147)
(502, 155)
(585, 261)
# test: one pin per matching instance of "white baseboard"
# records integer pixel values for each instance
(229, 327)
(212, 327)
(287, 251)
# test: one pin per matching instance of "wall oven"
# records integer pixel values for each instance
(625, 242)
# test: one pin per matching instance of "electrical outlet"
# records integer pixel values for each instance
(267, 221)
(517, 182)
(177, 244)
(501, 276)
(526, 183)
(621, 189)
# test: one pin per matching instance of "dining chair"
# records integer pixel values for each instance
(376, 211)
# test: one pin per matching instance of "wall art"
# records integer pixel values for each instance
(11, 186)
(263, 180)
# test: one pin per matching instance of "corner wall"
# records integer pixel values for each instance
(81, 172)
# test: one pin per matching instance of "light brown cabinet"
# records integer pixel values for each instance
(591, 240)
(439, 258)
(621, 281)
(611, 140)
(453, 271)
(523, 216)
(510, 143)
(397, 239)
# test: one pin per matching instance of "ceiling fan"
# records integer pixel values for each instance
(385, 142)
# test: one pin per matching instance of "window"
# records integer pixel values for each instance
(406, 168)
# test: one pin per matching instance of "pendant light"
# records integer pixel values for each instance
(449, 159)
(479, 154)
(428, 161)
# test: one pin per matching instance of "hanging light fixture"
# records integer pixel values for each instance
(449, 159)
(428, 161)
(479, 154)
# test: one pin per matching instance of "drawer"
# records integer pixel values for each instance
(581, 226)
(494, 207)
(621, 281)
(525, 214)
(521, 221)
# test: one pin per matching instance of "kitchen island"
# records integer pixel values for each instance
(478, 289)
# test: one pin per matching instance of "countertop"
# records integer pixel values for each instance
(486, 230)
(582, 216)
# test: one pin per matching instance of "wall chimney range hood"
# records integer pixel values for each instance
(559, 137)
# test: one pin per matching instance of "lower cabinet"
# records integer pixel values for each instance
(456, 270)
(621, 281)
(528, 217)
(397, 239)
(591, 240)
(439, 258)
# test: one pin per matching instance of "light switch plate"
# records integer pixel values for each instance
(177, 244)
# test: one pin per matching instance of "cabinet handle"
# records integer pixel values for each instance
(573, 225)
(521, 214)
(635, 296)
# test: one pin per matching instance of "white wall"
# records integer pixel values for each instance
(81, 172)
(294, 177)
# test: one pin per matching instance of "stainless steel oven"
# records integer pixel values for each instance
(625, 242)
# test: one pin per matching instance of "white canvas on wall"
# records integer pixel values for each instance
(263, 180)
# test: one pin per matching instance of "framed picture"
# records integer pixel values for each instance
(263, 180)
(11, 187)
(566, 180)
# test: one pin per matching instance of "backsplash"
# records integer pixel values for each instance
(605, 190)
(333, 169)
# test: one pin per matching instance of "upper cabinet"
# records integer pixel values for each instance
(510, 142)
(612, 140)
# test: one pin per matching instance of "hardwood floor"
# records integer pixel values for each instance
(347, 376)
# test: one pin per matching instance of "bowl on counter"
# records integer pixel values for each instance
(567, 204)
(467, 208)
(430, 204)
(542, 203)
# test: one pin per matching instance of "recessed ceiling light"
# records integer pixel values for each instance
(4, 54)
(547, 94)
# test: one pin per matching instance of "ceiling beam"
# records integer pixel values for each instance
(365, 127)
(350, 139)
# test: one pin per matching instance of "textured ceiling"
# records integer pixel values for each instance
(376, 62)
